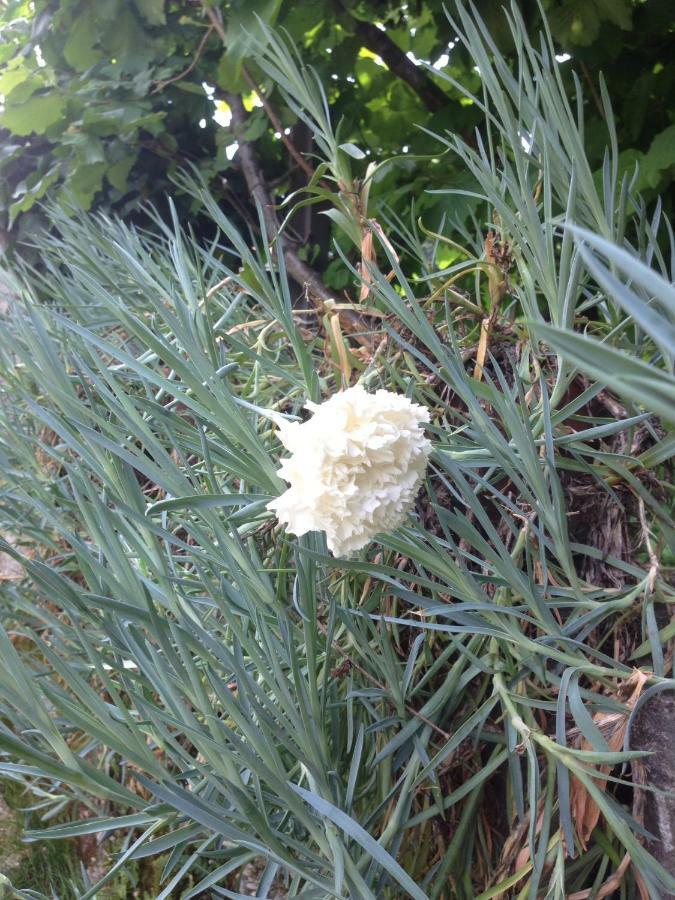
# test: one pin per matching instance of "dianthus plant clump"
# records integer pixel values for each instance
(355, 467)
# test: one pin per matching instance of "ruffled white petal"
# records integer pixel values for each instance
(355, 467)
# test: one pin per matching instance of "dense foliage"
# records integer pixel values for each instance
(449, 713)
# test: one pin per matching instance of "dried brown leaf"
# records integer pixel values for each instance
(585, 811)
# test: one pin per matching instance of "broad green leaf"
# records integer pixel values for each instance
(13, 75)
(660, 158)
(152, 11)
(80, 50)
(33, 194)
(85, 182)
(243, 26)
(35, 115)
(118, 172)
(229, 76)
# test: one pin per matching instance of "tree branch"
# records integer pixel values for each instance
(160, 85)
(276, 122)
(391, 54)
(255, 181)
(296, 267)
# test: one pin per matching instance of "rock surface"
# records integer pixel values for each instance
(654, 730)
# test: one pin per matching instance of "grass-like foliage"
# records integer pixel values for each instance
(445, 716)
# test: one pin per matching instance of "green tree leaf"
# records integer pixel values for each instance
(13, 76)
(243, 29)
(34, 116)
(85, 182)
(31, 195)
(659, 159)
(152, 11)
(80, 49)
(620, 12)
(118, 172)
(229, 75)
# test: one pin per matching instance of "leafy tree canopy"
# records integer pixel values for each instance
(104, 102)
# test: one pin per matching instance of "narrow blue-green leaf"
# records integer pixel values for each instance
(361, 836)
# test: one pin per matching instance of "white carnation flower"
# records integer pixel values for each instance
(355, 467)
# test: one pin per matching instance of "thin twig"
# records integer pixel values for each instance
(195, 59)
(278, 127)
(315, 288)
(216, 23)
(592, 88)
(267, 106)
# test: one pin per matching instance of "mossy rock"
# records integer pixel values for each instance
(47, 867)
(12, 851)
(53, 868)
